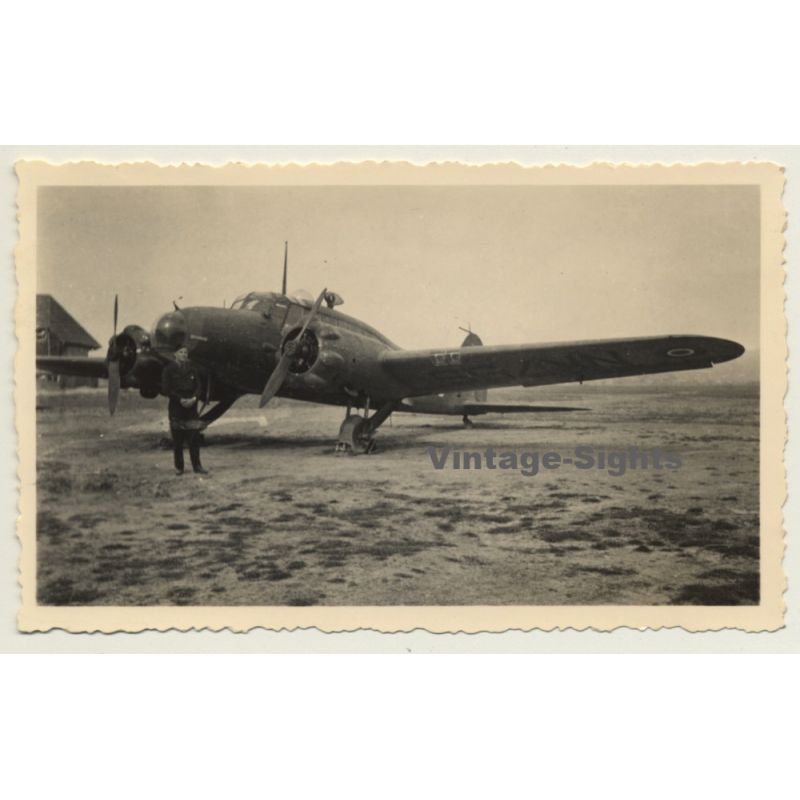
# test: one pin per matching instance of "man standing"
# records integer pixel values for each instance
(180, 382)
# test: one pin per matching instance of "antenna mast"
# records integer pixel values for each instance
(285, 262)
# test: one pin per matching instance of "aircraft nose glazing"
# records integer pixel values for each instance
(170, 331)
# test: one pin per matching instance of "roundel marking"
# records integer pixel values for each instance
(680, 352)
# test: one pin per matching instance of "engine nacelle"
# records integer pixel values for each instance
(331, 358)
(138, 366)
(304, 351)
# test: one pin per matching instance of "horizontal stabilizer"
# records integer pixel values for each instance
(474, 409)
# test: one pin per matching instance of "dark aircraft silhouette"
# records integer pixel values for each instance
(276, 344)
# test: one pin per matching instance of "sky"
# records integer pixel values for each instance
(519, 264)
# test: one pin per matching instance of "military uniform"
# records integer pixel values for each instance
(180, 382)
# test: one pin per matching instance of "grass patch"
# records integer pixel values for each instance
(609, 571)
(319, 509)
(224, 509)
(63, 592)
(104, 481)
(49, 525)
(746, 550)
(721, 573)
(497, 519)
(385, 549)
(452, 513)
(745, 590)
(85, 522)
(181, 595)
(373, 516)
(268, 572)
(556, 536)
(239, 527)
(54, 477)
(286, 518)
(518, 527)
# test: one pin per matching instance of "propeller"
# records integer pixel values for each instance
(282, 370)
(113, 364)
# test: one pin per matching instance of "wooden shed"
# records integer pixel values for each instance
(58, 334)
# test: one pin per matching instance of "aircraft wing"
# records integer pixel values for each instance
(82, 366)
(425, 372)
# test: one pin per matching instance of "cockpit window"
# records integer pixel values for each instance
(254, 301)
(247, 301)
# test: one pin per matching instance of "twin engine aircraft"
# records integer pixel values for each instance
(272, 344)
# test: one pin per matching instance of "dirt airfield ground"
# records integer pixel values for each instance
(281, 520)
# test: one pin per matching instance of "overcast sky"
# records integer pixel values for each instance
(519, 264)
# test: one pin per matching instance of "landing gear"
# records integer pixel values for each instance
(355, 437)
(218, 410)
(356, 432)
(468, 423)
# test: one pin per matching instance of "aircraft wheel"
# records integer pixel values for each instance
(353, 436)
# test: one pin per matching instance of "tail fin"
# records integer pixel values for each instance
(473, 340)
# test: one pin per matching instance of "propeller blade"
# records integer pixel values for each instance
(113, 386)
(313, 313)
(113, 364)
(282, 370)
(276, 380)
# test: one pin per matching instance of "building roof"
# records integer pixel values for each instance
(51, 315)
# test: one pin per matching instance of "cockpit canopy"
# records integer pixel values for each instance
(262, 301)
(253, 301)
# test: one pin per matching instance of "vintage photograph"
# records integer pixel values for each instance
(380, 395)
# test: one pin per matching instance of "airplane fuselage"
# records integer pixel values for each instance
(239, 348)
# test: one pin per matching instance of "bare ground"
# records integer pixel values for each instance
(281, 520)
